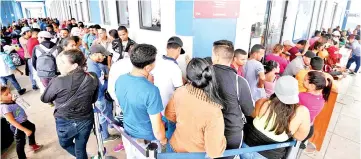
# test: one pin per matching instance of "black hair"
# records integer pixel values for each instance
(35, 30)
(317, 32)
(325, 37)
(224, 49)
(114, 33)
(81, 25)
(209, 60)
(4, 88)
(75, 38)
(91, 26)
(72, 19)
(143, 55)
(50, 26)
(1, 48)
(173, 46)
(65, 29)
(75, 56)
(239, 52)
(319, 80)
(270, 65)
(47, 39)
(317, 45)
(122, 28)
(302, 42)
(256, 48)
(334, 42)
(317, 63)
(201, 75)
(97, 26)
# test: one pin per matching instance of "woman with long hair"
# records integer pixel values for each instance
(276, 56)
(196, 109)
(73, 93)
(271, 70)
(276, 120)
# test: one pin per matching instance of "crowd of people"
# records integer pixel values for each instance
(229, 100)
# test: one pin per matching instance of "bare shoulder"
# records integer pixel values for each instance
(302, 111)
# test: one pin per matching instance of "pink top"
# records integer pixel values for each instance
(269, 87)
(314, 103)
(280, 60)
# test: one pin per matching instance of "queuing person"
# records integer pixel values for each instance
(315, 38)
(355, 55)
(35, 24)
(20, 125)
(122, 45)
(89, 38)
(94, 64)
(272, 68)
(324, 39)
(254, 72)
(276, 120)
(167, 74)
(197, 110)
(299, 63)
(23, 40)
(141, 102)
(64, 33)
(45, 65)
(72, 24)
(73, 93)
(32, 42)
(106, 42)
(276, 56)
(69, 44)
(234, 91)
(239, 60)
(300, 49)
(6, 71)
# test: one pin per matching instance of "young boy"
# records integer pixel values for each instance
(19, 123)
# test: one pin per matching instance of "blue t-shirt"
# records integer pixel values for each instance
(100, 70)
(18, 112)
(88, 39)
(138, 98)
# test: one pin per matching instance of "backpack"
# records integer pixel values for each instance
(46, 63)
(15, 58)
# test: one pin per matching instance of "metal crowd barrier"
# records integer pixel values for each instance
(151, 150)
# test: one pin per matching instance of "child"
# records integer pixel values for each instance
(19, 123)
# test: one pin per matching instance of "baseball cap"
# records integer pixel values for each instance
(45, 34)
(286, 90)
(176, 40)
(310, 54)
(97, 48)
(288, 42)
(24, 29)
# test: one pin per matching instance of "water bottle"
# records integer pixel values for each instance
(21, 102)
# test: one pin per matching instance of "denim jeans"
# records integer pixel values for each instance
(357, 60)
(106, 108)
(31, 73)
(12, 79)
(68, 130)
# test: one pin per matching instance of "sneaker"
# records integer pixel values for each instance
(352, 73)
(111, 138)
(36, 147)
(35, 87)
(22, 91)
(118, 148)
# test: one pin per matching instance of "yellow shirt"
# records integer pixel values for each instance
(300, 78)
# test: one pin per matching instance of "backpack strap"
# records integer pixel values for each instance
(40, 49)
(53, 49)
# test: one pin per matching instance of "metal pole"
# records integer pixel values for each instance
(152, 151)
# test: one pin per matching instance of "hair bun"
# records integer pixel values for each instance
(207, 74)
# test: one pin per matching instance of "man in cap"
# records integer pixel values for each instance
(299, 63)
(26, 34)
(94, 64)
(167, 74)
(45, 65)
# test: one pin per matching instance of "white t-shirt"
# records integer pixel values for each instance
(117, 69)
(167, 77)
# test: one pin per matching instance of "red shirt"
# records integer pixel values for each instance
(239, 71)
(32, 42)
(293, 51)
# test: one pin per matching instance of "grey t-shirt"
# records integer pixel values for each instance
(294, 67)
(251, 74)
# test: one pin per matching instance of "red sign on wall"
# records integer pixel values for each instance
(216, 8)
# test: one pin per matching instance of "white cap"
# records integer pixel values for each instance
(336, 33)
(286, 90)
(45, 34)
(288, 42)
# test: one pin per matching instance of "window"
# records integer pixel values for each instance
(123, 13)
(104, 5)
(88, 10)
(81, 11)
(149, 15)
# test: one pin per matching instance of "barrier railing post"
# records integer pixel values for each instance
(152, 151)
(293, 151)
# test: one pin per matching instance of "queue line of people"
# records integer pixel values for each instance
(224, 102)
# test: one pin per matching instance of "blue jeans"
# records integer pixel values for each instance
(31, 75)
(170, 127)
(353, 59)
(68, 130)
(12, 79)
(106, 108)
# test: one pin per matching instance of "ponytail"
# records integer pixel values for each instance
(327, 90)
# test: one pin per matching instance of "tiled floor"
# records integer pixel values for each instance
(343, 136)
(342, 139)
